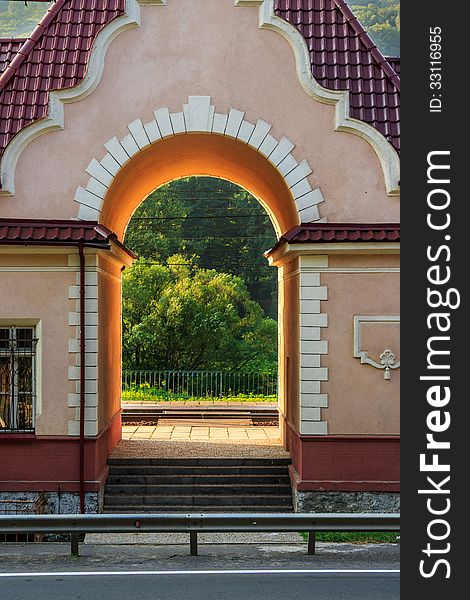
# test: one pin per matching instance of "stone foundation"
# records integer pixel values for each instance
(55, 502)
(346, 502)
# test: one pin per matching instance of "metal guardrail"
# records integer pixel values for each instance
(195, 523)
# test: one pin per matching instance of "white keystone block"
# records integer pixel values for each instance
(314, 293)
(309, 279)
(198, 113)
(129, 145)
(310, 360)
(177, 123)
(85, 213)
(309, 306)
(306, 413)
(309, 215)
(318, 320)
(110, 164)
(310, 199)
(138, 133)
(83, 196)
(313, 428)
(162, 117)
(314, 400)
(96, 170)
(152, 131)
(268, 145)
(281, 151)
(301, 171)
(246, 129)
(310, 333)
(234, 121)
(114, 147)
(96, 187)
(219, 123)
(301, 188)
(315, 347)
(261, 131)
(312, 374)
(287, 165)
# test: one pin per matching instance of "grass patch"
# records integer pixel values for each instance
(156, 395)
(352, 537)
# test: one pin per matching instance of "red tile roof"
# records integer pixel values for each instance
(344, 57)
(55, 233)
(56, 56)
(340, 232)
(8, 48)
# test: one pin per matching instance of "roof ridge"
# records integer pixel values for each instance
(30, 42)
(368, 42)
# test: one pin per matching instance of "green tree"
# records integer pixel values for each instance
(179, 316)
(18, 20)
(381, 19)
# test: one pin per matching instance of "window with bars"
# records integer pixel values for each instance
(17, 378)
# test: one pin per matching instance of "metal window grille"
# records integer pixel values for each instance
(17, 378)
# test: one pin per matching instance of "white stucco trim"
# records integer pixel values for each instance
(387, 358)
(57, 99)
(312, 347)
(386, 153)
(199, 115)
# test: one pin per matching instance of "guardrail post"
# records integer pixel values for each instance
(312, 538)
(74, 545)
(193, 542)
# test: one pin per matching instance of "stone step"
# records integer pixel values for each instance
(145, 508)
(201, 489)
(197, 462)
(198, 500)
(170, 469)
(194, 479)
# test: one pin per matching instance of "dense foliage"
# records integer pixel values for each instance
(381, 19)
(179, 316)
(18, 20)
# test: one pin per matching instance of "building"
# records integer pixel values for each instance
(109, 99)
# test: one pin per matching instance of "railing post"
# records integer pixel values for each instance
(193, 542)
(312, 538)
(74, 545)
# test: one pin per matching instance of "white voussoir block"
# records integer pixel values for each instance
(309, 215)
(309, 374)
(301, 171)
(287, 165)
(113, 146)
(234, 121)
(162, 117)
(246, 131)
(314, 293)
(198, 113)
(110, 164)
(281, 151)
(310, 360)
(86, 213)
(96, 170)
(309, 413)
(87, 198)
(310, 333)
(314, 347)
(138, 133)
(312, 198)
(312, 320)
(314, 400)
(177, 122)
(313, 427)
(219, 122)
(260, 132)
(301, 188)
(152, 131)
(268, 145)
(129, 145)
(96, 187)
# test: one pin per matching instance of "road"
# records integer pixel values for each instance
(203, 585)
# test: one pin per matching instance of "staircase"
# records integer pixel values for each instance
(198, 485)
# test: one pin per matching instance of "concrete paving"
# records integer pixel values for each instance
(195, 431)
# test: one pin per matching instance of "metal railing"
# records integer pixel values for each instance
(168, 385)
(198, 523)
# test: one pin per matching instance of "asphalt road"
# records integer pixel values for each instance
(206, 585)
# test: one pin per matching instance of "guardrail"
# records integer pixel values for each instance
(198, 523)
